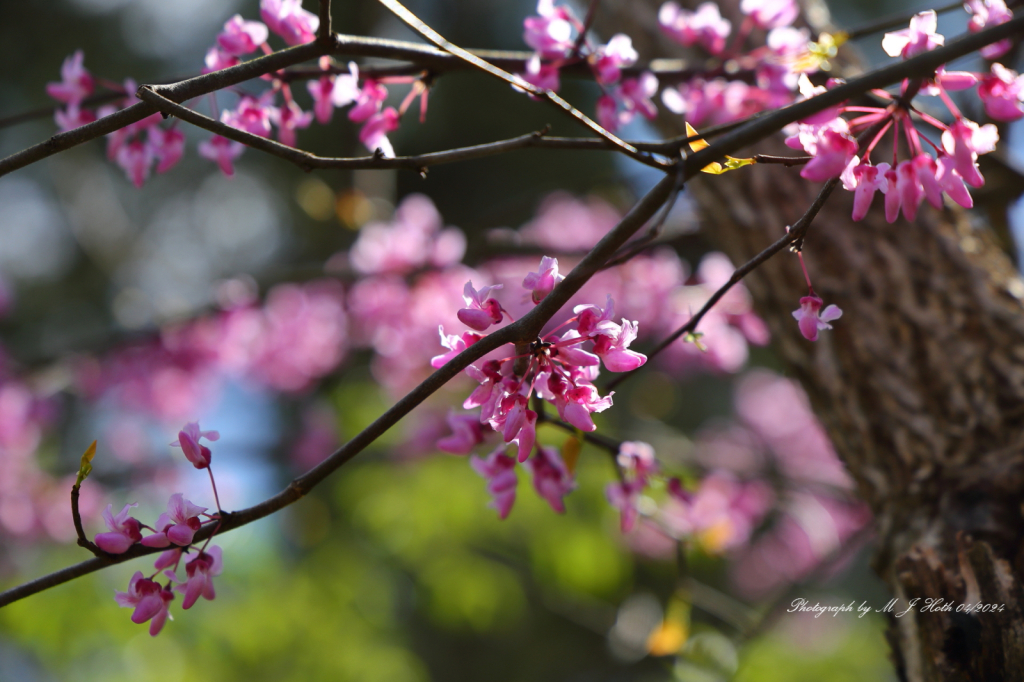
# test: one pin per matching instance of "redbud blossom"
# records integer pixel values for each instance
(467, 433)
(124, 530)
(551, 478)
(812, 318)
(454, 344)
(550, 33)
(964, 141)
(541, 75)
(833, 152)
(168, 146)
(76, 82)
(609, 59)
(252, 115)
(987, 13)
(287, 19)
(72, 117)
(768, 14)
(864, 180)
(201, 572)
(374, 133)
(288, 119)
(135, 158)
(482, 310)
(705, 26)
(1002, 93)
(217, 59)
(223, 151)
(149, 599)
(920, 37)
(241, 37)
(499, 470)
(188, 441)
(541, 283)
(177, 525)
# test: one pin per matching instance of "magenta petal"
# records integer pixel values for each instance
(579, 416)
(180, 534)
(156, 540)
(476, 319)
(193, 589)
(148, 606)
(114, 543)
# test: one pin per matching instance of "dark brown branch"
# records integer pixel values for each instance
(433, 36)
(324, 32)
(307, 161)
(76, 517)
(787, 161)
(526, 328)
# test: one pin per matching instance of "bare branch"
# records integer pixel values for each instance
(433, 36)
(323, 32)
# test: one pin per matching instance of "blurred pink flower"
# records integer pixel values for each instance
(499, 470)
(76, 82)
(287, 19)
(124, 530)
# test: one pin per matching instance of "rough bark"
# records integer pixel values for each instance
(920, 386)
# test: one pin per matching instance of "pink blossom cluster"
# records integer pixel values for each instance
(551, 477)
(773, 67)
(136, 147)
(176, 529)
(558, 39)
(298, 335)
(931, 169)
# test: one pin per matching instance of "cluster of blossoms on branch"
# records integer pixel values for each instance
(176, 529)
(556, 369)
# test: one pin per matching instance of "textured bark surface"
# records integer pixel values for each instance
(920, 385)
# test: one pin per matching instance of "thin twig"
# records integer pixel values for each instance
(797, 232)
(76, 517)
(433, 36)
(896, 21)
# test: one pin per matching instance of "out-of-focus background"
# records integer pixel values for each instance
(262, 306)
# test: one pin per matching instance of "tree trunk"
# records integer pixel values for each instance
(920, 386)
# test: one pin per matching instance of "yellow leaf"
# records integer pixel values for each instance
(715, 168)
(86, 468)
(571, 453)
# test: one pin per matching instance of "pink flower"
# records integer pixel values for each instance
(637, 461)
(242, 37)
(167, 559)
(833, 152)
(368, 102)
(705, 26)
(892, 197)
(624, 497)
(135, 158)
(614, 350)
(76, 83)
(768, 14)
(636, 94)
(149, 599)
(1002, 92)
(951, 182)
(541, 283)
(499, 470)
(72, 117)
(454, 344)
(986, 13)
(124, 531)
(611, 58)
(550, 33)
(812, 318)
(168, 146)
(482, 310)
(520, 425)
(288, 119)
(920, 37)
(346, 87)
(188, 441)
(217, 59)
(964, 141)
(322, 91)
(865, 180)
(580, 402)
(252, 115)
(927, 172)
(551, 478)
(374, 133)
(200, 572)
(223, 151)
(467, 433)
(287, 19)
(178, 525)
(607, 113)
(541, 75)
(909, 187)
